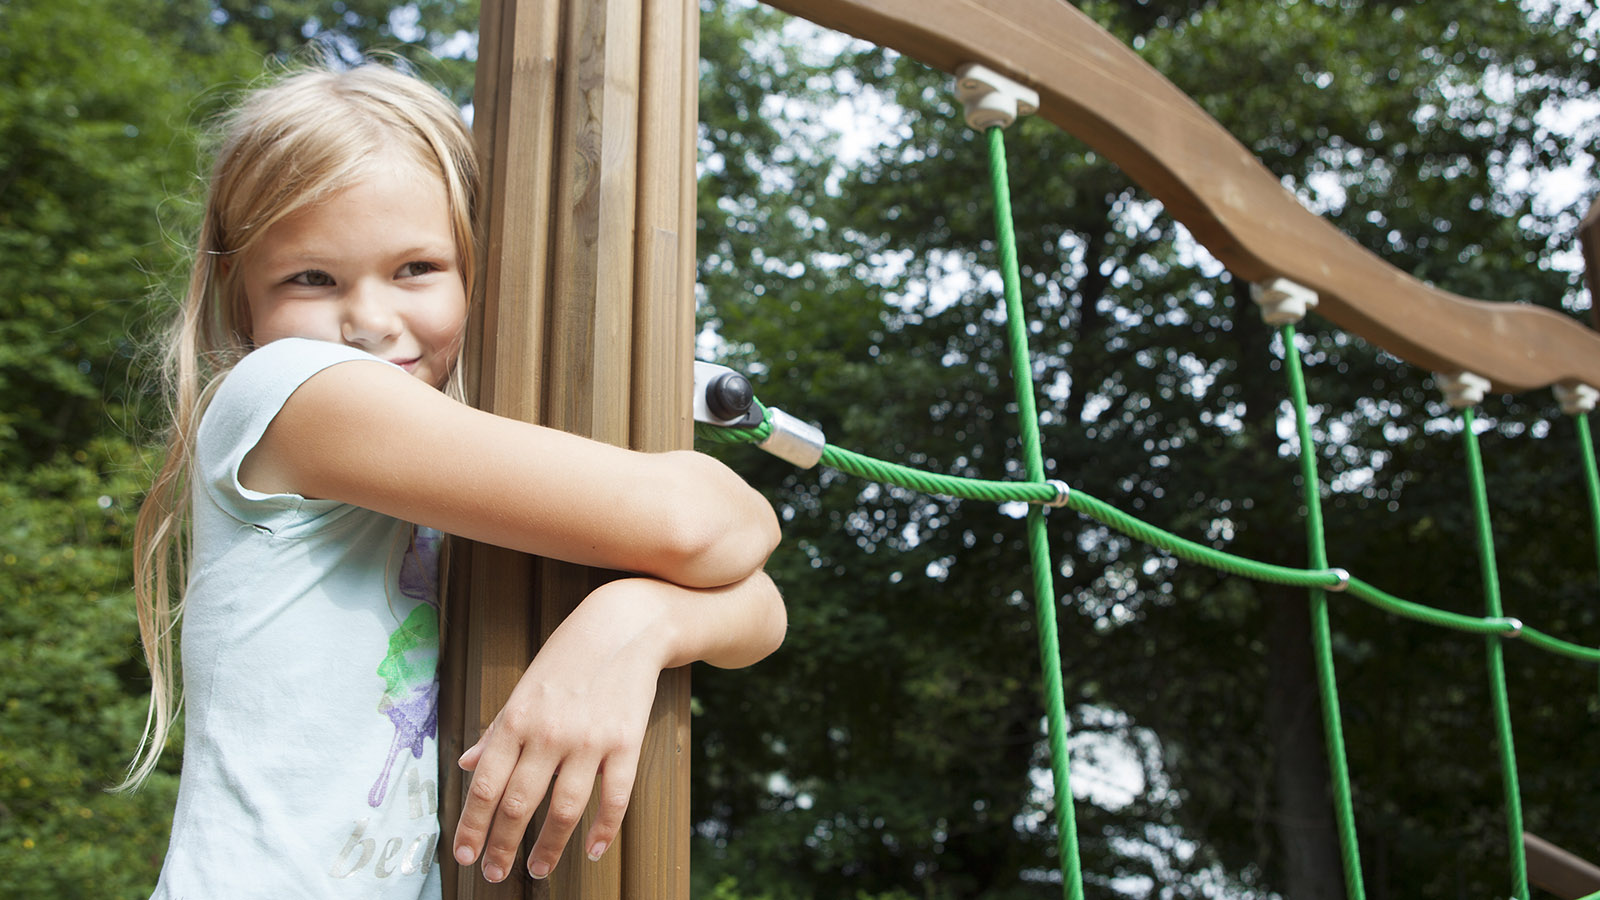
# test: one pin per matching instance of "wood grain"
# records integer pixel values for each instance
(587, 325)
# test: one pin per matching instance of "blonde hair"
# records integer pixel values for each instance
(287, 146)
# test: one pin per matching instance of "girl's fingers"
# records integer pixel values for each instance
(469, 760)
(616, 786)
(522, 795)
(490, 772)
(569, 797)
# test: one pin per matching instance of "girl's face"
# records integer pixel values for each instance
(373, 266)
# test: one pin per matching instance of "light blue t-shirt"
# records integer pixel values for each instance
(310, 637)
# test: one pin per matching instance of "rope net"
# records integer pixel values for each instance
(1318, 578)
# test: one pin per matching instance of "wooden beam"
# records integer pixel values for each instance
(1553, 869)
(587, 325)
(1096, 88)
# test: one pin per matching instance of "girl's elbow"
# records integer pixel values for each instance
(709, 552)
(719, 536)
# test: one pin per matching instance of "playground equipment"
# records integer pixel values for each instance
(587, 118)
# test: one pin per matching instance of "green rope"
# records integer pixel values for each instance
(1182, 548)
(1497, 666)
(1591, 474)
(1321, 631)
(1038, 538)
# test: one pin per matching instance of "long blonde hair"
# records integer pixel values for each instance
(287, 146)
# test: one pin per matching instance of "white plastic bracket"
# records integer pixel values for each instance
(1577, 399)
(1463, 389)
(991, 98)
(1283, 302)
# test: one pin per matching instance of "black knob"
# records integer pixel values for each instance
(729, 395)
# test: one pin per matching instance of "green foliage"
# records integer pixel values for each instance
(438, 36)
(72, 681)
(91, 146)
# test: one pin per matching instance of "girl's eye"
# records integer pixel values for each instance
(313, 278)
(413, 269)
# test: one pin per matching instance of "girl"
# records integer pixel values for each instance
(315, 370)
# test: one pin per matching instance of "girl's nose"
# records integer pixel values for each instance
(367, 319)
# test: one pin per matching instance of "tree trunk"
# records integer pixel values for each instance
(1302, 807)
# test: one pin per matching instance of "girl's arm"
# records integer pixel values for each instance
(579, 712)
(374, 436)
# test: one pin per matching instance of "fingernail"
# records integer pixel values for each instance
(539, 869)
(596, 850)
(464, 855)
(493, 873)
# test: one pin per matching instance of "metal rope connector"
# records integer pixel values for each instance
(992, 99)
(1344, 580)
(724, 397)
(792, 440)
(1062, 493)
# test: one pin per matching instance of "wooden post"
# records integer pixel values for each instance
(586, 113)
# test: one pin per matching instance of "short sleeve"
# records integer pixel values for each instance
(246, 402)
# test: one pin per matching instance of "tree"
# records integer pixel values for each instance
(100, 126)
(889, 745)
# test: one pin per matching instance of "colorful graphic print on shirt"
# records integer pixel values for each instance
(410, 670)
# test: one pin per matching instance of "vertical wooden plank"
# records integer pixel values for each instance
(495, 621)
(656, 833)
(588, 363)
(455, 617)
(588, 327)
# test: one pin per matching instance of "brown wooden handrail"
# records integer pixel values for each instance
(1095, 87)
(1553, 869)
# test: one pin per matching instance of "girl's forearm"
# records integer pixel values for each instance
(729, 627)
(371, 435)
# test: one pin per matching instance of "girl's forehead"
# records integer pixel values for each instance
(393, 200)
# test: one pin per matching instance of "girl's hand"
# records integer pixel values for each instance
(578, 714)
(579, 711)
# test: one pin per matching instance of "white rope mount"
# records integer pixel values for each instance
(1577, 399)
(991, 98)
(1283, 302)
(1462, 389)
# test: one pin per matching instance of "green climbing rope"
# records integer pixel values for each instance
(1189, 551)
(1591, 475)
(1319, 579)
(1497, 666)
(1044, 591)
(1321, 631)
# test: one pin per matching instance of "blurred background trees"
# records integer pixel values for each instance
(893, 747)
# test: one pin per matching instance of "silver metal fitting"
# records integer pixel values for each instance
(724, 397)
(991, 98)
(1515, 626)
(1344, 580)
(792, 440)
(1062, 493)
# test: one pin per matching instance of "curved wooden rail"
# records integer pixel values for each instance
(1096, 88)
